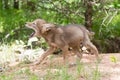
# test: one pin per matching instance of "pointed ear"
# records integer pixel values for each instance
(50, 26)
(40, 22)
(47, 27)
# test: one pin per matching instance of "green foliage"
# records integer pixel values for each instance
(113, 59)
(3, 77)
(96, 72)
(80, 68)
(11, 20)
(19, 74)
(106, 21)
(65, 75)
(60, 12)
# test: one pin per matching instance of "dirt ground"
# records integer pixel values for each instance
(109, 66)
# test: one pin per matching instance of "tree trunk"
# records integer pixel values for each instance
(31, 5)
(88, 14)
(5, 3)
(16, 4)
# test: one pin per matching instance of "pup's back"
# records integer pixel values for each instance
(79, 32)
(73, 34)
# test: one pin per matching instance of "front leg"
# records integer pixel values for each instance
(65, 54)
(44, 55)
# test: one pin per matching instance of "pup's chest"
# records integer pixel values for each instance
(50, 38)
(54, 40)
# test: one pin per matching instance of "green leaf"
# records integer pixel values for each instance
(71, 1)
(113, 59)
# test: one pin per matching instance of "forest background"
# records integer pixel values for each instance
(100, 16)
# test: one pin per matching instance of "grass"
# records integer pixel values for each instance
(81, 70)
(22, 74)
(62, 74)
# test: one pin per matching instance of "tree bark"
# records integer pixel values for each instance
(5, 3)
(88, 14)
(31, 5)
(16, 4)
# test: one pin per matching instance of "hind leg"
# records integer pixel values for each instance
(65, 53)
(93, 49)
(78, 52)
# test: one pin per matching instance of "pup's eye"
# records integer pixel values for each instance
(34, 24)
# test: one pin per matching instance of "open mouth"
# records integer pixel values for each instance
(31, 35)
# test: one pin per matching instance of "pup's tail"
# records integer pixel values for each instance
(87, 35)
(90, 33)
